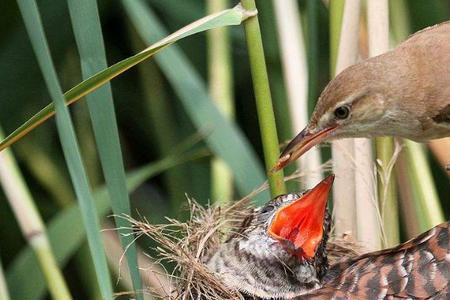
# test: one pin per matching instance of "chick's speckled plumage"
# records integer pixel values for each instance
(252, 265)
(260, 267)
(256, 264)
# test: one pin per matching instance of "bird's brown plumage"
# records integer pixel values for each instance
(417, 269)
(412, 81)
(404, 92)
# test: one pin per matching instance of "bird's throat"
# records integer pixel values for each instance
(300, 223)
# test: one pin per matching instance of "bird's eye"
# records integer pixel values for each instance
(267, 209)
(342, 112)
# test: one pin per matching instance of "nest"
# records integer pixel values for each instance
(189, 244)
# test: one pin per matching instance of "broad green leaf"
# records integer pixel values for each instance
(66, 235)
(227, 17)
(89, 39)
(33, 24)
(224, 138)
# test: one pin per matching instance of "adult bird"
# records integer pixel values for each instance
(404, 92)
(280, 253)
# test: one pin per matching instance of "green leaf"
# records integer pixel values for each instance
(89, 39)
(66, 235)
(224, 138)
(227, 17)
(263, 98)
(69, 143)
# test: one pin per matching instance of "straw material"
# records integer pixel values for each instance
(188, 245)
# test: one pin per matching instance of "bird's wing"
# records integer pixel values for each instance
(418, 269)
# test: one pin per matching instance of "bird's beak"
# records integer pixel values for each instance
(300, 223)
(304, 141)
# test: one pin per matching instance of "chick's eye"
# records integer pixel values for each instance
(267, 209)
(342, 112)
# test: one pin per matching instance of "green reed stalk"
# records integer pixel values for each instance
(336, 15)
(387, 192)
(221, 91)
(378, 26)
(344, 187)
(88, 36)
(263, 98)
(312, 52)
(33, 24)
(30, 222)
(426, 204)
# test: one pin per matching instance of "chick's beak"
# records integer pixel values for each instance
(304, 141)
(301, 222)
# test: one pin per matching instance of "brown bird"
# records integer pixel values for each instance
(404, 92)
(279, 251)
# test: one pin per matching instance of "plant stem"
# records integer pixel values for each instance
(399, 12)
(412, 221)
(336, 15)
(89, 39)
(30, 223)
(66, 133)
(387, 192)
(221, 91)
(295, 69)
(342, 150)
(312, 52)
(263, 99)
(378, 26)
(427, 201)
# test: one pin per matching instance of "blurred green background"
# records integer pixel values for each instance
(151, 119)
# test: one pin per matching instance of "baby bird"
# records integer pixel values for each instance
(279, 252)
(404, 93)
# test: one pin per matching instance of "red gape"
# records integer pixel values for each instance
(301, 222)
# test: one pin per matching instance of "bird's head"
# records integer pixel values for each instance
(352, 105)
(291, 226)
(279, 251)
(300, 223)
